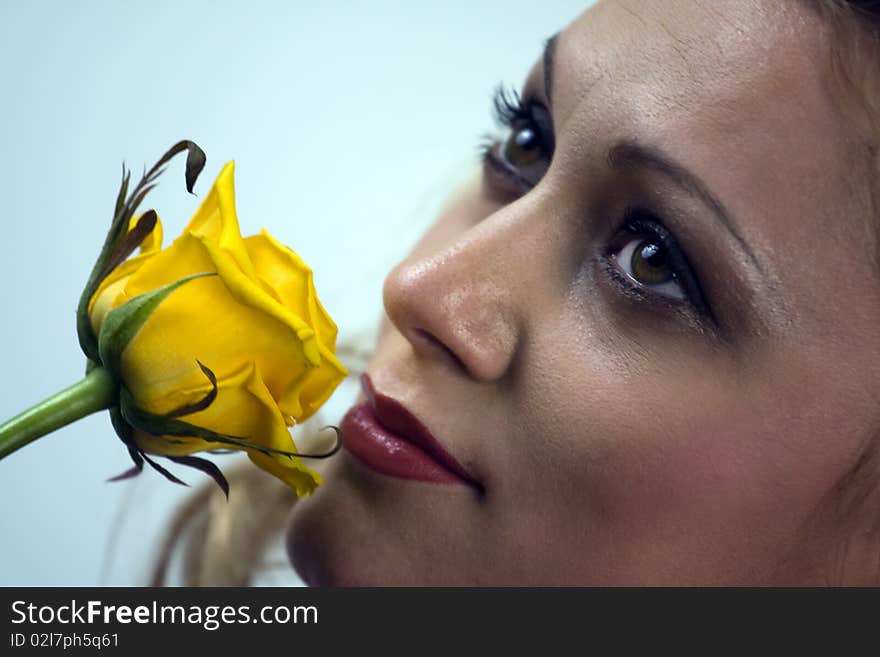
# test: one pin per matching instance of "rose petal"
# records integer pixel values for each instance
(204, 321)
(291, 278)
(285, 272)
(107, 296)
(217, 221)
(244, 408)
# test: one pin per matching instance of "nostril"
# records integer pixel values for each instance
(431, 342)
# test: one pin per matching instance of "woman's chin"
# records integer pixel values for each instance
(360, 528)
(311, 538)
(332, 538)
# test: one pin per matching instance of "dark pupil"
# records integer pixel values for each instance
(650, 263)
(523, 147)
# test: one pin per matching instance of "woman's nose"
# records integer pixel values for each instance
(459, 303)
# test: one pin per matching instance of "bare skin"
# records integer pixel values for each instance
(720, 427)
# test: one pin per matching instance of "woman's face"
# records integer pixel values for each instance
(654, 353)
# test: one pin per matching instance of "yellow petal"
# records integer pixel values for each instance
(243, 408)
(309, 393)
(291, 278)
(281, 269)
(251, 295)
(217, 221)
(303, 481)
(203, 320)
(107, 296)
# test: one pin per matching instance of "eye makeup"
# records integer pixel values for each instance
(643, 223)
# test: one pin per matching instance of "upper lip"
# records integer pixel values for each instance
(395, 417)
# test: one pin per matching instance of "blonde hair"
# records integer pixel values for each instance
(220, 542)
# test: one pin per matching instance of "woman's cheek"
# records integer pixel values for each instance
(662, 440)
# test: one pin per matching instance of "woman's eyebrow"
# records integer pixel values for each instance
(626, 154)
(549, 51)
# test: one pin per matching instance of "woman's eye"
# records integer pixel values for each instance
(648, 262)
(517, 162)
(523, 147)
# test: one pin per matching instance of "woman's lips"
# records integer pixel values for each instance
(385, 436)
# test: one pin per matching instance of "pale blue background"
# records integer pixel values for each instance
(348, 122)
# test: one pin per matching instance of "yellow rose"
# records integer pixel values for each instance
(257, 325)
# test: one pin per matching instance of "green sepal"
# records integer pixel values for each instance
(122, 324)
(121, 427)
(162, 425)
(123, 212)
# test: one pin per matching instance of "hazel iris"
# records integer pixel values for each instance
(523, 147)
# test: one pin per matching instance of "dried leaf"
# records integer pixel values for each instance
(132, 240)
(124, 210)
(133, 471)
(207, 467)
(162, 471)
(202, 404)
(162, 425)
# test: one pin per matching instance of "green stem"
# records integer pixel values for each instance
(95, 392)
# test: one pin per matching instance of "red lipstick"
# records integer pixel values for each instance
(383, 435)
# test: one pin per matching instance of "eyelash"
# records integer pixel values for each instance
(508, 107)
(510, 111)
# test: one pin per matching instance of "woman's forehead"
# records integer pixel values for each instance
(736, 64)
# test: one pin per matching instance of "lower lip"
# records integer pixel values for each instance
(388, 453)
